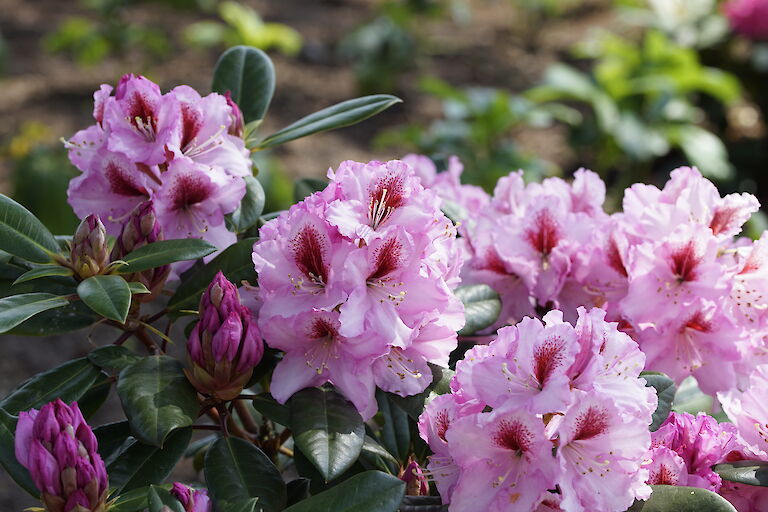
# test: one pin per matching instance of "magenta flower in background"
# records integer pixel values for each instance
(59, 449)
(193, 500)
(174, 149)
(748, 17)
(225, 345)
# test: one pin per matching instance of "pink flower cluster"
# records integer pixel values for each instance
(685, 447)
(667, 268)
(355, 283)
(748, 17)
(180, 150)
(548, 416)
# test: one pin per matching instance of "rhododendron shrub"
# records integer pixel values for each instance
(395, 340)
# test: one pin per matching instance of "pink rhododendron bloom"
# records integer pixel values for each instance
(700, 442)
(316, 352)
(193, 199)
(193, 500)
(504, 457)
(373, 259)
(530, 369)
(173, 149)
(566, 401)
(600, 449)
(745, 498)
(748, 410)
(748, 17)
(140, 120)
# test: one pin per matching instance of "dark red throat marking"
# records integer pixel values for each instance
(308, 246)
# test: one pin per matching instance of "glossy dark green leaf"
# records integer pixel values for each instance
(669, 498)
(16, 309)
(248, 74)
(342, 114)
(304, 187)
(140, 464)
(165, 252)
(22, 235)
(481, 307)
(236, 471)
(235, 262)
(156, 398)
(109, 296)
(377, 457)
(8, 460)
(423, 504)
(137, 288)
(73, 317)
(327, 429)
(665, 391)
(113, 357)
(95, 397)
(371, 491)
(395, 432)
(70, 381)
(44, 271)
(161, 500)
(297, 490)
(114, 439)
(749, 472)
(270, 409)
(132, 501)
(251, 207)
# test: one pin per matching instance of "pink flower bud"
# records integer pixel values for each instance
(59, 449)
(225, 345)
(749, 18)
(90, 255)
(237, 124)
(415, 481)
(193, 500)
(141, 229)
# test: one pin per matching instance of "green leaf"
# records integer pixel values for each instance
(327, 429)
(236, 471)
(248, 74)
(109, 296)
(140, 464)
(342, 114)
(249, 211)
(70, 381)
(72, 317)
(749, 472)
(137, 288)
(670, 498)
(44, 271)
(371, 491)
(18, 308)
(269, 408)
(132, 501)
(165, 252)
(395, 432)
(113, 357)
(236, 264)
(706, 151)
(157, 398)
(377, 456)
(297, 490)
(114, 439)
(22, 235)
(481, 307)
(665, 391)
(95, 397)
(159, 498)
(8, 460)
(304, 187)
